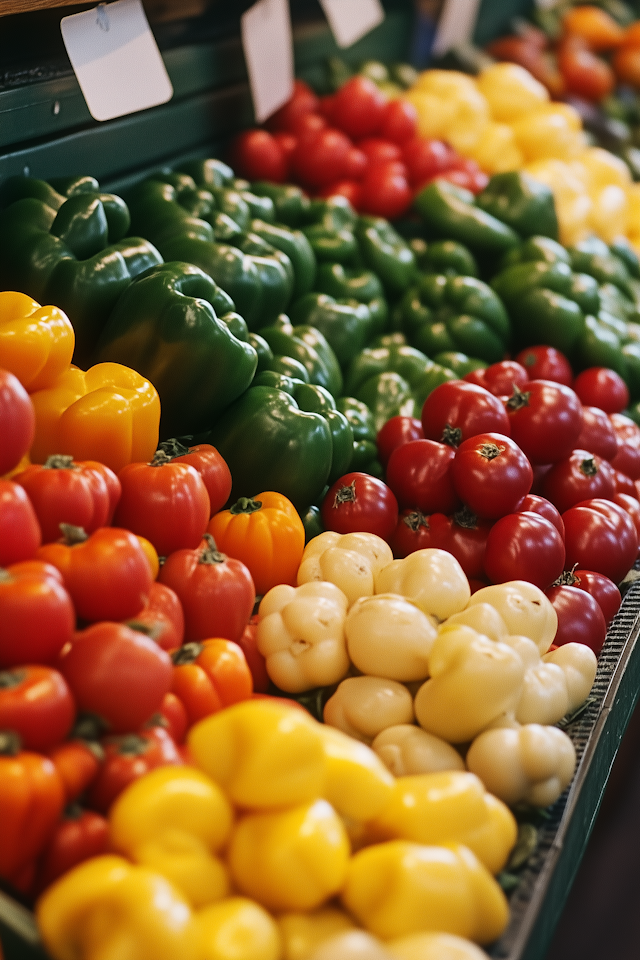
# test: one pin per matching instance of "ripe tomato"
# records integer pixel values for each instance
(600, 536)
(38, 617)
(161, 618)
(457, 410)
(78, 835)
(350, 189)
(627, 458)
(626, 65)
(631, 505)
(464, 535)
(255, 660)
(597, 434)
(580, 476)
(209, 463)
(585, 73)
(469, 177)
(412, 532)
(625, 484)
(545, 420)
(173, 717)
(419, 473)
(533, 503)
(36, 703)
(500, 378)
(546, 363)
(210, 675)
(20, 534)
(257, 155)
(491, 474)
(360, 502)
(17, 421)
(580, 619)
(602, 387)
(601, 588)
(358, 107)
(524, 546)
(128, 757)
(77, 762)
(216, 591)
(384, 191)
(425, 159)
(116, 673)
(320, 156)
(379, 150)
(399, 121)
(302, 102)
(396, 431)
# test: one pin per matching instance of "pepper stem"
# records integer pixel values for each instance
(245, 505)
(73, 535)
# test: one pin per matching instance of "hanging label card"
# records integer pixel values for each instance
(351, 19)
(268, 52)
(116, 59)
(456, 24)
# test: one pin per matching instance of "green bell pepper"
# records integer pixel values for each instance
(444, 256)
(310, 347)
(534, 249)
(451, 213)
(346, 324)
(291, 203)
(71, 251)
(329, 227)
(269, 443)
(386, 253)
(594, 257)
(459, 363)
(455, 313)
(165, 327)
(295, 245)
(523, 203)
(365, 452)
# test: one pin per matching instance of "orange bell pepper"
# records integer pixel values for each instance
(36, 343)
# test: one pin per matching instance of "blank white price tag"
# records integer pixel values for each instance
(351, 19)
(116, 59)
(268, 51)
(456, 24)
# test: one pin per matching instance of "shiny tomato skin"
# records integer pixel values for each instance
(396, 431)
(213, 469)
(77, 762)
(419, 473)
(399, 121)
(320, 157)
(412, 532)
(470, 177)
(534, 503)
(209, 676)
(384, 191)
(350, 189)
(627, 458)
(425, 159)
(360, 502)
(500, 378)
(625, 484)
(161, 618)
(546, 363)
(302, 101)
(491, 474)
(580, 618)
(127, 758)
(524, 546)
(457, 410)
(17, 421)
(585, 73)
(257, 155)
(38, 616)
(78, 835)
(580, 476)
(602, 387)
(631, 505)
(597, 434)
(255, 660)
(602, 589)
(358, 107)
(36, 703)
(545, 420)
(20, 534)
(464, 535)
(600, 536)
(378, 149)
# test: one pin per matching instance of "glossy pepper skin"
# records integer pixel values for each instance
(291, 203)
(36, 343)
(520, 201)
(310, 347)
(167, 328)
(460, 314)
(451, 212)
(346, 324)
(72, 250)
(329, 227)
(295, 245)
(270, 443)
(386, 253)
(365, 452)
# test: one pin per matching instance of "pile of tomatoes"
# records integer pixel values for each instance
(356, 143)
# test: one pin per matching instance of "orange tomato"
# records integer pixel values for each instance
(626, 64)
(593, 25)
(209, 675)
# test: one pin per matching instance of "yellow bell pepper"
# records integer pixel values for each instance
(389, 636)
(350, 560)
(524, 608)
(399, 888)
(301, 933)
(291, 859)
(107, 908)
(365, 706)
(550, 131)
(496, 150)
(434, 946)
(300, 633)
(443, 808)
(237, 928)
(109, 413)
(351, 945)
(532, 763)
(358, 785)
(450, 107)
(511, 91)
(36, 343)
(432, 579)
(263, 753)
(573, 203)
(406, 748)
(175, 820)
(473, 681)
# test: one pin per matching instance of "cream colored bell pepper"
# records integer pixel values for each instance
(579, 664)
(350, 560)
(364, 706)
(300, 632)
(389, 636)
(431, 578)
(525, 609)
(435, 946)
(483, 617)
(544, 698)
(406, 749)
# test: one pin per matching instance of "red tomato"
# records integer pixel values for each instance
(500, 378)
(491, 474)
(38, 617)
(533, 503)
(524, 546)
(597, 434)
(632, 506)
(302, 102)
(209, 463)
(412, 532)
(20, 534)
(17, 421)
(625, 484)
(356, 164)
(36, 703)
(546, 363)
(627, 458)
(379, 150)
(385, 191)
(210, 675)
(173, 717)
(600, 536)
(360, 502)
(77, 762)
(457, 410)
(126, 759)
(471, 178)
(320, 157)
(585, 73)
(396, 431)
(79, 835)
(343, 188)
(603, 388)
(545, 420)
(399, 121)
(358, 107)
(116, 673)
(257, 155)
(580, 476)
(601, 588)
(287, 143)
(161, 618)
(167, 503)
(425, 159)
(626, 64)
(255, 660)
(83, 493)
(464, 535)
(580, 619)
(419, 473)
(216, 591)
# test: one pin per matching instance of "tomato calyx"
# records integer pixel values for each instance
(452, 436)
(72, 535)
(245, 505)
(518, 399)
(415, 520)
(187, 653)
(210, 554)
(130, 744)
(60, 461)
(345, 494)
(168, 450)
(10, 743)
(567, 578)
(588, 467)
(490, 451)
(152, 630)
(466, 518)
(11, 678)
(89, 727)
